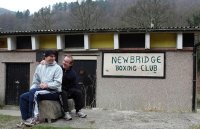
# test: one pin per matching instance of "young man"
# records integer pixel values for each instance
(46, 85)
(70, 88)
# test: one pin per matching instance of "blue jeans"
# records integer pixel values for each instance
(26, 101)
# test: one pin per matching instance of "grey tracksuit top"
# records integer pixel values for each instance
(50, 74)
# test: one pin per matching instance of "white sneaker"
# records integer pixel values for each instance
(31, 121)
(67, 116)
(81, 114)
(21, 124)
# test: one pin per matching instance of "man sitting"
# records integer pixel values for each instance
(46, 85)
(71, 89)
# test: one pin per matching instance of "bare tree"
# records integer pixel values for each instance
(194, 20)
(7, 22)
(147, 13)
(85, 15)
(116, 9)
(105, 13)
(43, 19)
(23, 20)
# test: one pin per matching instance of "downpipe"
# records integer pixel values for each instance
(194, 76)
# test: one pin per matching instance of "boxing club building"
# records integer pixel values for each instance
(147, 69)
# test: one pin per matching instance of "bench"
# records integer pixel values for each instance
(51, 110)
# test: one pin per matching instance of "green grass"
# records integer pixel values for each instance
(8, 121)
(11, 121)
(196, 127)
(44, 126)
(6, 118)
(48, 127)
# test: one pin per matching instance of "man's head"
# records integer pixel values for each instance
(49, 56)
(68, 61)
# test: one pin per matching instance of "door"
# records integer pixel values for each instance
(17, 81)
(86, 71)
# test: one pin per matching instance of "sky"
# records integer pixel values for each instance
(32, 5)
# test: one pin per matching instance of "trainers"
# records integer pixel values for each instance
(67, 116)
(21, 124)
(31, 121)
(36, 119)
(81, 114)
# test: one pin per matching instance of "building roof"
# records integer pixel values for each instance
(104, 30)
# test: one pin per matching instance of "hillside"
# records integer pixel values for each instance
(105, 14)
(3, 11)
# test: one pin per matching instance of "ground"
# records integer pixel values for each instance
(114, 119)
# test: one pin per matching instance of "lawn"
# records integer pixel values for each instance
(48, 127)
(9, 122)
(196, 127)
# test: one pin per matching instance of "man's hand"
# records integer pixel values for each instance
(43, 62)
(43, 85)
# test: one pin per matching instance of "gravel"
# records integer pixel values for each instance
(114, 119)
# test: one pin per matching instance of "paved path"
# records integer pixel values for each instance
(113, 119)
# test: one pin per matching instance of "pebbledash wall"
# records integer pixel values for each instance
(173, 93)
(165, 85)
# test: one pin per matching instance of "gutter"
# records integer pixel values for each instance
(194, 77)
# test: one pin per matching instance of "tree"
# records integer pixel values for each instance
(106, 14)
(27, 13)
(147, 13)
(19, 14)
(22, 20)
(85, 15)
(7, 22)
(194, 20)
(43, 19)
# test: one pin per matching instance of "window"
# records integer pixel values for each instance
(23, 42)
(132, 41)
(188, 40)
(74, 41)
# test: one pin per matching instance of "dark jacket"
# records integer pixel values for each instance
(69, 79)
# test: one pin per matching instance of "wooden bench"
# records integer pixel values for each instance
(51, 110)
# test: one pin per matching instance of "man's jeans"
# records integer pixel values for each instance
(27, 101)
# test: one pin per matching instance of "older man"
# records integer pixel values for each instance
(70, 88)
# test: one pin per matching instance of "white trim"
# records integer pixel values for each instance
(85, 57)
(179, 41)
(147, 41)
(60, 42)
(116, 41)
(35, 42)
(11, 43)
(86, 41)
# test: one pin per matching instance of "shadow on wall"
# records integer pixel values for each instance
(198, 90)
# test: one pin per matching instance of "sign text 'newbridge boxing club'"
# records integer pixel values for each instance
(133, 64)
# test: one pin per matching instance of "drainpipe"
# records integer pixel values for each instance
(194, 77)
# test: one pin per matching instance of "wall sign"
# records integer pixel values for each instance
(134, 64)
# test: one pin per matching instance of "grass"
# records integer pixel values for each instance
(9, 122)
(48, 127)
(196, 127)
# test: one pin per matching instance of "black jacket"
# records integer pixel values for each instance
(69, 79)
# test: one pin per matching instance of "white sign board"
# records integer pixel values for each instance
(134, 64)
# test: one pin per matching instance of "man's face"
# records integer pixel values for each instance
(50, 59)
(67, 62)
